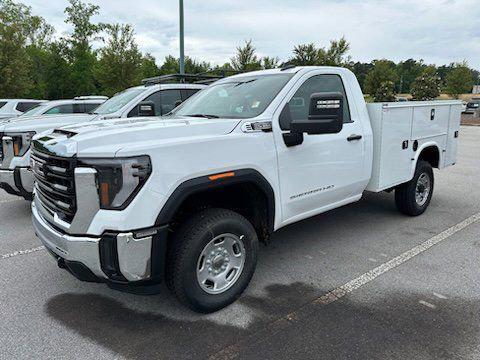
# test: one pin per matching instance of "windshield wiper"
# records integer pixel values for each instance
(207, 116)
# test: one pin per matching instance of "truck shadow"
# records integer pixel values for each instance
(394, 325)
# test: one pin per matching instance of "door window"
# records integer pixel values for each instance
(299, 105)
(89, 107)
(189, 92)
(169, 100)
(23, 106)
(164, 100)
(60, 109)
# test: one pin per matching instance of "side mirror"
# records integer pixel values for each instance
(146, 108)
(325, 116)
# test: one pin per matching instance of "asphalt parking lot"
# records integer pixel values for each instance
(360, 282)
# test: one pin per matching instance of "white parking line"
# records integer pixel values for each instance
(23, 252)
(440, 296)
(232, 351)
(371, 275)
(427, 304)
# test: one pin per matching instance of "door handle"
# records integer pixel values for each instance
(354, 137)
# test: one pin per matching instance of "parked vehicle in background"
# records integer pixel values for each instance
(15, 107)
(78, 105)
(473, 106)
(188, 197)
(158, 96)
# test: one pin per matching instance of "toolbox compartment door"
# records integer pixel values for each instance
(392, 157)
(453, 134)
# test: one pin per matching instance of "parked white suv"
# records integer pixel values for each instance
(15, 107)
(189, 197)
(77, 105)
(156, 97)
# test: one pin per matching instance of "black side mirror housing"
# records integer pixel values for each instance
(146, 108)
(325, 115)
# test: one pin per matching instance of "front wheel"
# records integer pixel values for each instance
(413, 197)
(212, 259)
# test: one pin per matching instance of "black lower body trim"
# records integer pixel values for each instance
(18, 183)
(9, 189)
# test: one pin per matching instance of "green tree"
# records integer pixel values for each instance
(83, 58)
(120, 60)
(426, 86)
(14, 60)
(58, 72)
(459, 80)
(171, 65)
(245, 58)
(304, 55)
(380, 77)
(334, 55)
(408, 71)
(148, 67)
(39, 36)
(385, 92)
(361, 70)
(268, 62)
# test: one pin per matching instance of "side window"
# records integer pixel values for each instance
(300, 102)
(155, 98)
(2, 104)
(169, 100)
(189, 92)
(78, 108)
(164, 101)
(60, 109)
(89, 107)
(24, 106)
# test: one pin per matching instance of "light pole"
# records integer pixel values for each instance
(182, 35)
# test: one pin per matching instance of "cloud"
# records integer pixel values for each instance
(437, 31)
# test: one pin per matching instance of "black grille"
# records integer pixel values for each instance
(55, 183)
(1, 147)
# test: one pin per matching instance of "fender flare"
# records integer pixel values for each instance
(203, 183)
(419, 152)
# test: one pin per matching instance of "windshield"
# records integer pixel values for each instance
(240, 98)
(37, 110)
(118, 101)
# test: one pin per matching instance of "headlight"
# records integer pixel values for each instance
(119, 180)
(21, 142)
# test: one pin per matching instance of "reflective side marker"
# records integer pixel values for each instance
(221, 176)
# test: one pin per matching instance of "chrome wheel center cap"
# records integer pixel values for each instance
(218, 261)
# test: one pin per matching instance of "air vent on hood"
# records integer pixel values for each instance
(69, 134)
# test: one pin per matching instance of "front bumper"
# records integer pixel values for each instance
(134, 258)
(17, 182)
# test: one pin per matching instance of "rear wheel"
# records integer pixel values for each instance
(413, 197)
(212, 259)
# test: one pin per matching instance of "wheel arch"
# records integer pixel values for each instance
(429, 152)
(248, 191)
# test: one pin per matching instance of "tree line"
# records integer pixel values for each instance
(34, 63)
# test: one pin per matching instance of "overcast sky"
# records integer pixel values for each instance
(438, 31)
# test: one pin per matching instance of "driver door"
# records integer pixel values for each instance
(323, 171)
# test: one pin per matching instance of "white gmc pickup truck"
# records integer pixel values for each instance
(154, 98)
(188, 197)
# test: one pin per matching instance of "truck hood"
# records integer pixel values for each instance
(42, 123)
(107, 137)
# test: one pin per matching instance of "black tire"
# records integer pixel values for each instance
(184, 253)
(405, 193)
